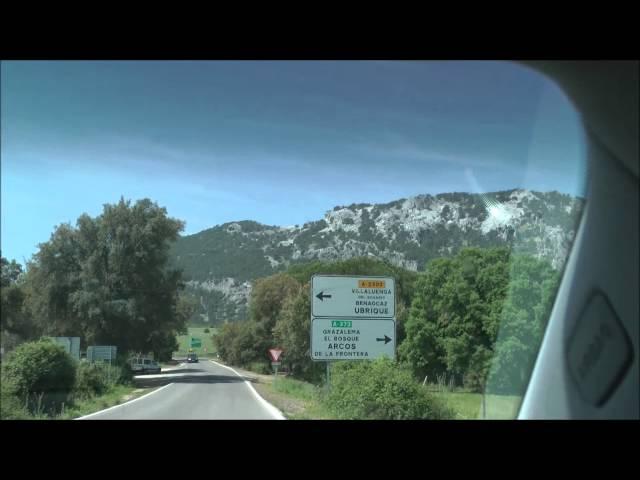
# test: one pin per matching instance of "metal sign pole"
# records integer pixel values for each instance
(484, 406)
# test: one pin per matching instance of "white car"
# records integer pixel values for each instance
(141, 365)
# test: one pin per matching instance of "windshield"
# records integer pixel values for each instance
(338, 231)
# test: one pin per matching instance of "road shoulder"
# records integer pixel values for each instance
(251, 379)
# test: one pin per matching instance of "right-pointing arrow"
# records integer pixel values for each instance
(385, 339)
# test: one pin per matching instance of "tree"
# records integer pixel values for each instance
(224, 341)
(185, 307)
(479, 317)
(15, 323)
(268, 296)
(10, 272)
(292, 334)
(529, 299)
(455, 314)
(108, 279)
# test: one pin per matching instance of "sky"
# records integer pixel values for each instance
(275, 142)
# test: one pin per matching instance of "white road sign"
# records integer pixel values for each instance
(70, 344)
(345, 339)
(353, 297)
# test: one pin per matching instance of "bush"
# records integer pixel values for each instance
(39, 367)
(260, 367)
(96, 378)
(121, 371)
(380, 390)
(89, 380)
(206, 330)
(11, 408)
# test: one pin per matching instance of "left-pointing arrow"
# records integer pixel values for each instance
(321, 296)
(385, 339)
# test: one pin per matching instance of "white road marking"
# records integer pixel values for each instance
(124, 404)
(277, 414)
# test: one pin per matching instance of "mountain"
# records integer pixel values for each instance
(220, 263)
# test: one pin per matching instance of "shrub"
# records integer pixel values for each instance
(121, 371)
(380, 390)
(96, 378)
(260, 367)
(89, 380)
(39, 367)
(206, 330)
(11, 408)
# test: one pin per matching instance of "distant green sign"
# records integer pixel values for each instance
(196, 343)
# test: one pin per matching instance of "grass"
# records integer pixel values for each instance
(300, 400)
(197, 332)
(468, 406)
(79, 407)
(113, 397)
(297, 400)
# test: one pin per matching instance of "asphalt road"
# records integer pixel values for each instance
(195, 391)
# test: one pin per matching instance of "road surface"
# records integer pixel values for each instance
(194, 391)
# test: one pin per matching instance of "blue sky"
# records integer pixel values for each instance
(275, 142)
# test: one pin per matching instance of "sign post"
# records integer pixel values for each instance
(275, 353)
(352, 318)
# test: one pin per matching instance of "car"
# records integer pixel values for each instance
(141, 365)
(192, 358)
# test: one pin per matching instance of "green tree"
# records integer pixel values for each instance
(479, 317)
(455, 315)
(10, 272)
(185, 308)
(108, 279)
(529, 299)
(292, 335)
(224, 341)
(15, 323)
(268, 296)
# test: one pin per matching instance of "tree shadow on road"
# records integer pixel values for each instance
(150, 382)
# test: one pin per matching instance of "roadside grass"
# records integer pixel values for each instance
(297, 400)
(300, 400)
(197, 332)
(468, 406)
(115, 396)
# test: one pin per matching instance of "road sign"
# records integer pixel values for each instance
(275, 353)
(366, 297)
(196, 343)
(275, 364)
(354, 339)
(70, 344)
(102, 353)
